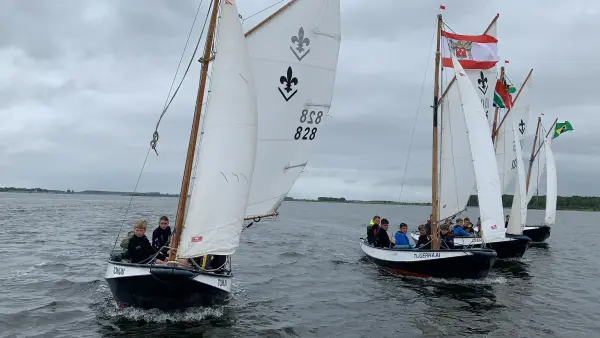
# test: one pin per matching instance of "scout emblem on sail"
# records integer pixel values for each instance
(299, 42)
(288, 81)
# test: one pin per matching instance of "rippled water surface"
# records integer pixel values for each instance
(302, 275)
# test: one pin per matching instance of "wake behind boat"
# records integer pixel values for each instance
(459, 263)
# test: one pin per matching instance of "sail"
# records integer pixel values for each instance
(538, 167)
(484, 161)
(457, 179)
(518, 212)
(294, 59)
(552, 182)
(215, 214)
(506, 154)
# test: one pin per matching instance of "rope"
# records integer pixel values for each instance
(273, 5)
(416, 115)
(155, 135)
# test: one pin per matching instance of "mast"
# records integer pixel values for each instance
(532, 157)
(514, 101)
(454, 77)
(497, 108)
(434, 162)
(187, 172)
(551, 130)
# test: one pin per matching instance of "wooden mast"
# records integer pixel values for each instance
(532, 157)
(454, 77)
(495, 132)
(434, 163)
(534, 154)
(185, 182)
(497, 108)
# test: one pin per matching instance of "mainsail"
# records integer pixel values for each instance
(294, 57)
(518, 213)
(551, 184)
(215, 214)
(484, 161)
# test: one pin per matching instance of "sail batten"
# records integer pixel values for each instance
(215, 213)
(294, 57)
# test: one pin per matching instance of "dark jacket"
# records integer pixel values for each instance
(140, 249)
(160, 237)
(424, 242)
(446, 242)
(382, 240)
(371, 232)
(428, 227)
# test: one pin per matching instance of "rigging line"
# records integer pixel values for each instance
(131, 198)
(273, 5)
(155, 135)
(417, 112)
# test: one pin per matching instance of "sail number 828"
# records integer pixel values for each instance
(308, 117)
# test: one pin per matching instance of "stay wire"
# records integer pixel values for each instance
(417, 114)
(273, 5)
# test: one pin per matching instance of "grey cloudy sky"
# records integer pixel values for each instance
(83, 82)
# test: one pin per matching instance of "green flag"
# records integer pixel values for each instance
(561, 128)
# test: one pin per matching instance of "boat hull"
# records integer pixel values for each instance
(462, 264)
(164, 287)
(509, 247)
(537, 233)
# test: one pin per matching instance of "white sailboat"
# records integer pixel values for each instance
(542, 159)
(443, 262)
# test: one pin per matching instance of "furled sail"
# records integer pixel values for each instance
(294, 57)
(215, 213)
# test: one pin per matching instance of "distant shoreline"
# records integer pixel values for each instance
(570, 203)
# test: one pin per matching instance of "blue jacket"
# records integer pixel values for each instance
(400, 238)
(459, 231)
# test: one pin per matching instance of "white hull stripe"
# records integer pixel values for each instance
(124, 271)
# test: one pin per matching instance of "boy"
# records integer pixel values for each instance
(139, 247)
(162, 233)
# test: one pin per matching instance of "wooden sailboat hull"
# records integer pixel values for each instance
(537, 233)
(164, 287)
(510, 247)
(461, 264)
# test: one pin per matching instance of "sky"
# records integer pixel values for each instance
(82, 83)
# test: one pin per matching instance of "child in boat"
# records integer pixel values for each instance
(400, 239)
(139, 247)
(459, 229)
(382, 239)
(424, 241)
(372, 229)
(446, 238)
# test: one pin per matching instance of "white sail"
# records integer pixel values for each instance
(294, 61)
(484, 161)
(538, 167)
(457, 179)
(215, 214)
(506, 154)
(518, 212)
(552, 182)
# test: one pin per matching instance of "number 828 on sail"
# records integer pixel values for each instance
(308, 118)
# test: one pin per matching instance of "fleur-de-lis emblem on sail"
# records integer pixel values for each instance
(522, 127)
(288, 81)
(482, 83)
(299, 42)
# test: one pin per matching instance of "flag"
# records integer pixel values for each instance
(561, 128)
(502, 98)
(506, 61)
(472, 51)
(511, 89)
(442, 7)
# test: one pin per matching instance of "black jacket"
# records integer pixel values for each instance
(371, 231)
(424, 242)
(139, 249)
(160, 237)
(382, 240)
(446, 242)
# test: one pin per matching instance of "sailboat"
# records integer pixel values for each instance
(261, 125)
(542, 159)
(463, 263)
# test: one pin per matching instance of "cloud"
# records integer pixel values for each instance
(82, 84)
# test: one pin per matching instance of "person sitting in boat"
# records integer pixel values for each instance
(459, 229)
(372, 229)
(400, 239)
(382, 239)
(424, 241)
(446, 238)
(161, 235)
(139, 247)
(428, 224)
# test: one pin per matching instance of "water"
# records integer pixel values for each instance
(301, 276)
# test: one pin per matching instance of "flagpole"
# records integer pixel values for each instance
(454, 77)
(513, 103)
(497, 108)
